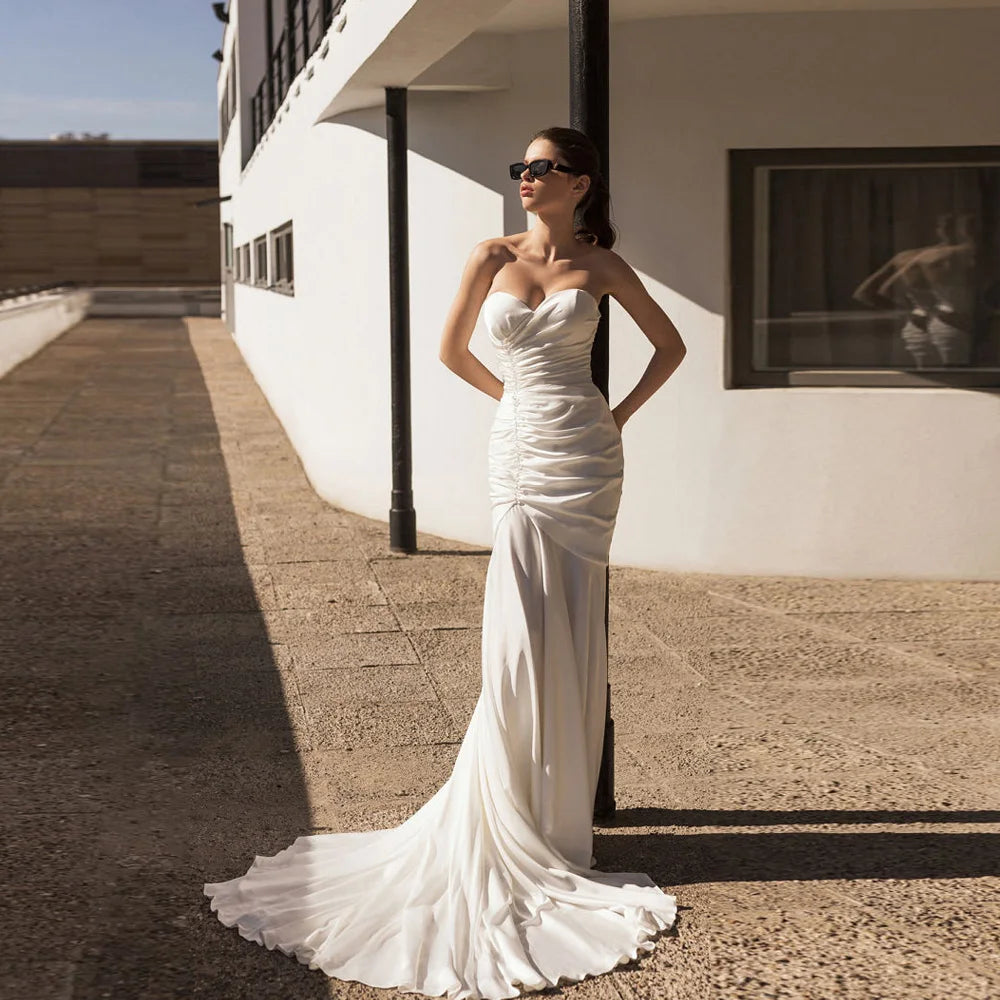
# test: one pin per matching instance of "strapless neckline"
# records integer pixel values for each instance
(551, 295)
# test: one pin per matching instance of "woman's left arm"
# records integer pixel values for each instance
(668, 348)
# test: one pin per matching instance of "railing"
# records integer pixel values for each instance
(302, 32)
(26, 291)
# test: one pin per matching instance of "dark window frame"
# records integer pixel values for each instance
(283, 259)
(260, 257)
(742, 233)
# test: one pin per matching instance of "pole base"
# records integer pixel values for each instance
(403, 530)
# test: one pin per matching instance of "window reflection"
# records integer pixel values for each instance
(879, 267)
(937, 287)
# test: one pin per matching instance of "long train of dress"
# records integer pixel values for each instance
(487, 889)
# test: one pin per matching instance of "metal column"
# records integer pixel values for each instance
(402, 517)
(589, 61)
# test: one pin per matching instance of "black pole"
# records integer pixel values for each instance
(402, 517)
(589, 61)
(269, 44)
(290, 43)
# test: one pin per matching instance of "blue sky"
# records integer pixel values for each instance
(136, 70)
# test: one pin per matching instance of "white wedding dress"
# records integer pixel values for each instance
(487, 890)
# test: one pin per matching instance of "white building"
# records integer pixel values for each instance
(837, 411)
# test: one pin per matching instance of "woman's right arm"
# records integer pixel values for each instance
(473, 288)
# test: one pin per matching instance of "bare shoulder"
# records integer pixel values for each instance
(613, 265)
(618, 276)
(484, 260)
(490, 254)
(505, 248)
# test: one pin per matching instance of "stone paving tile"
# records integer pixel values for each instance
(372, 684)
(923, 627)
(631, 595)
(346, 725)
(916, 699)
(816, 659)
(980, 656)
(456, 681)
(302, 626)
(804, 595)
(705, 632)
(429, 577)
(969, 750)
(357, 649)
(458, 614)
(756, 744)
(315, 584)
(380, 771)
(293, 546)
(211, 589)
(448, 645)
(203, 517)
(872, 791)
(203, 660)
(272, 730)
(962, 914)
(200, 491)
(207, 546)
(460, 709)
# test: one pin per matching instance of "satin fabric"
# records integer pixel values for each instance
(487, 890)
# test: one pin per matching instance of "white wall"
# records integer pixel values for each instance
(807, 480)
(26, 327)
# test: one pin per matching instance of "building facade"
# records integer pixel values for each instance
(810, 195)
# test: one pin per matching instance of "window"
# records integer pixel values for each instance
(260, 261)
(227, 109)
(864, 267)
(227, 245)
(281, 250)
(245, 257)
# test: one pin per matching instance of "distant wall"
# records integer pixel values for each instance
(108, 212)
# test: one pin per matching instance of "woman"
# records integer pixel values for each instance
(488, 889)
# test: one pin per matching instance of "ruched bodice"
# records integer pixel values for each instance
(554, 445)
(547, 347)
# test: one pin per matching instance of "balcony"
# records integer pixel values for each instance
(300, 36)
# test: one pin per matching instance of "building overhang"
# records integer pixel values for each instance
(416, 43)
(393, 43)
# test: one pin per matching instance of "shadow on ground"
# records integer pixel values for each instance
(150, 748)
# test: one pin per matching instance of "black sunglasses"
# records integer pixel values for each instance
(537, 168)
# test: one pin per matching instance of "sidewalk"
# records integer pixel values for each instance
(204, 660)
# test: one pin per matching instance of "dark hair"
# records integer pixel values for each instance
(591, 220)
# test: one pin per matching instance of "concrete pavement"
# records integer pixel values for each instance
(204, 660)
